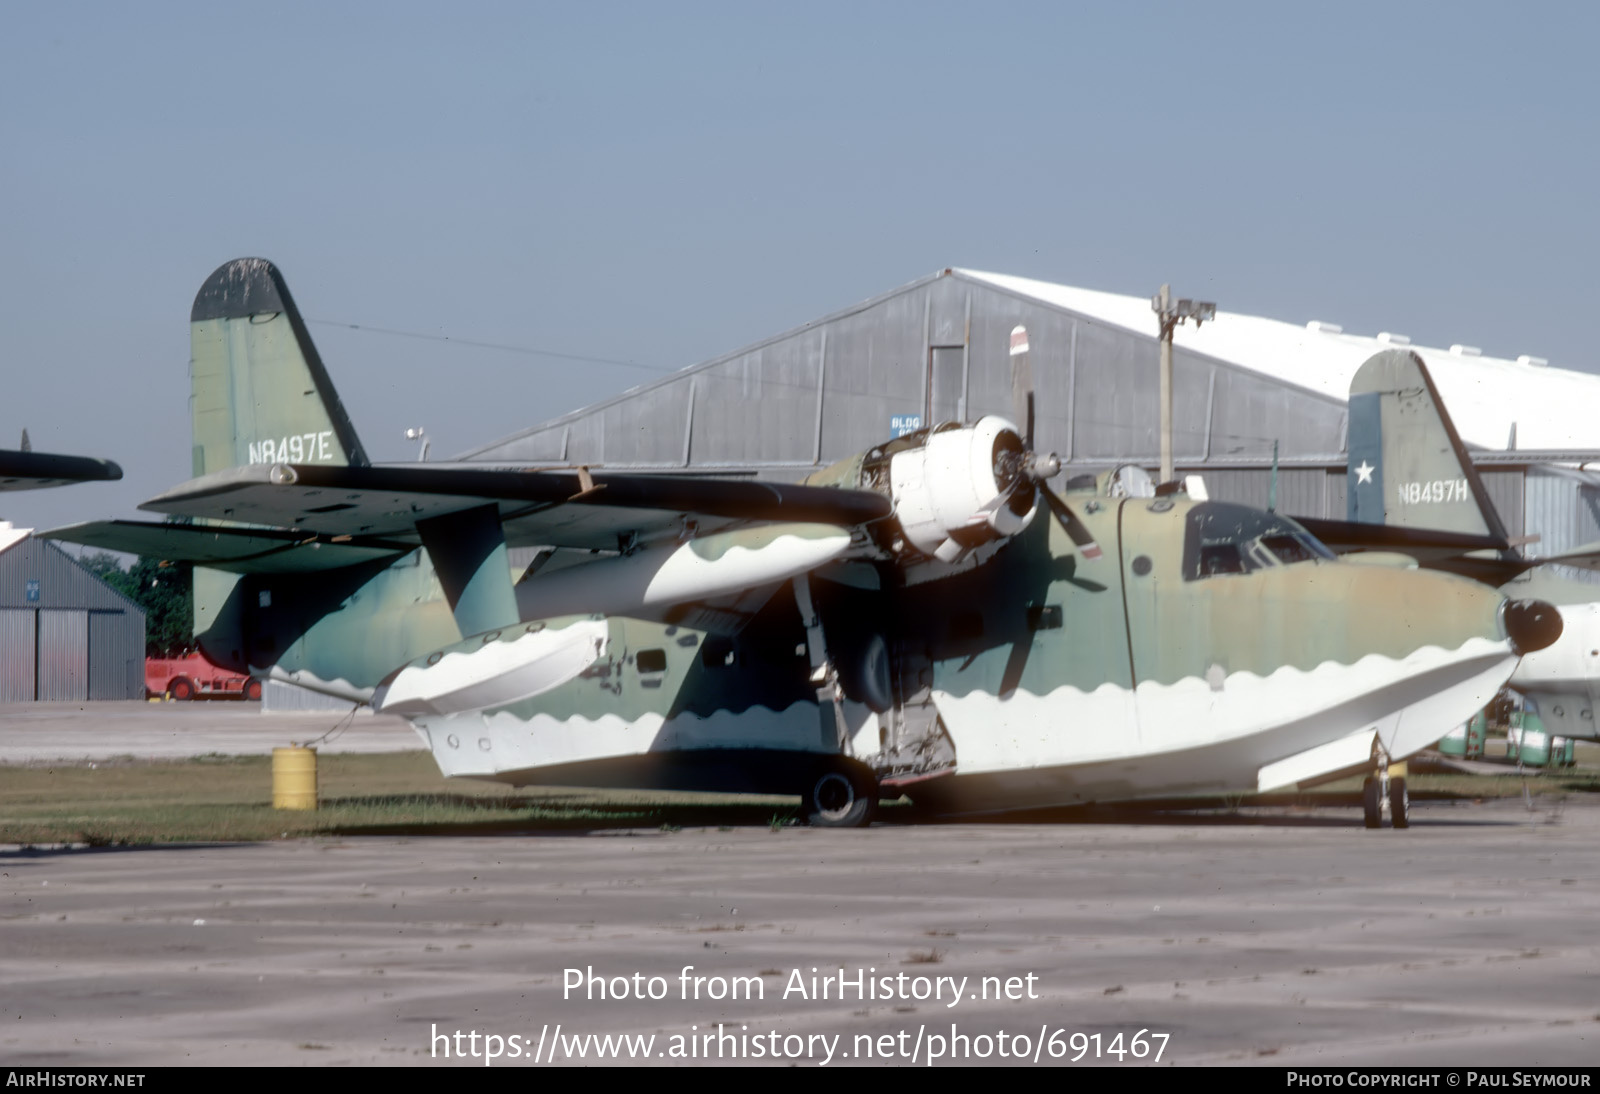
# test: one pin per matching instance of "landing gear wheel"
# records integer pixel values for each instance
(1372, 802)
(838, 798)
(181, 689)
(1399, 803)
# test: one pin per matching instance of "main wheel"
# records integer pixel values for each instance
(1399, 803)
(181, 689)
(838, 798)
(1372, 802)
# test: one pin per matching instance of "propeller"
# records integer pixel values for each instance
(1026, 470)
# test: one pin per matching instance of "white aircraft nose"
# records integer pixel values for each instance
(1470, 640)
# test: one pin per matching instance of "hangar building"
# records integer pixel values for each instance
(938, 349)
(64, 634)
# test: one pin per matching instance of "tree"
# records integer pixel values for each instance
(165, 590)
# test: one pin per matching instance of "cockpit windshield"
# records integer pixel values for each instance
(1222, 538)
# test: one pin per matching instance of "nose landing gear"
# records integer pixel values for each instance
(1385, 792)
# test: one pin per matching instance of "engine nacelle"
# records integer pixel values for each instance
(963, 488)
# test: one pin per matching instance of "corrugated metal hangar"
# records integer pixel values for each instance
(64, 634)
(937, 350)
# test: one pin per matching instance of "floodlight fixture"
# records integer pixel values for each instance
(1169, 314)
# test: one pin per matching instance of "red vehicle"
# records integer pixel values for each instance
(194, 677)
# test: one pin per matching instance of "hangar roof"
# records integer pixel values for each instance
(1551, 408)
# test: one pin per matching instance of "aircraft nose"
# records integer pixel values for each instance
(1531, 624)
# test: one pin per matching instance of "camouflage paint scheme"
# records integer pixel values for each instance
(1409, 469)
(1192, 657)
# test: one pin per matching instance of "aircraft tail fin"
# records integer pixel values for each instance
(258, 394)
(259, 391)
(1408, 466)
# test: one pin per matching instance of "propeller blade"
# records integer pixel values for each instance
(1022, 384)
(1079, 532)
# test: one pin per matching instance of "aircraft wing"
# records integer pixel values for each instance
(34, 470)
(236, 550)
(554, 508)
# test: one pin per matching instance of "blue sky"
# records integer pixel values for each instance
(661, 183)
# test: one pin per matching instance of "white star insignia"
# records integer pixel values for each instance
(1364, 472)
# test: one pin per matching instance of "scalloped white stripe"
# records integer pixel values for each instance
(502, 742)
(339, 687)
(497, 672)
(1290, 711)
(660, 576)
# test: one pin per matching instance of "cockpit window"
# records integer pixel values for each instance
(1222, 558)
(1222, 538)
(1301, 547)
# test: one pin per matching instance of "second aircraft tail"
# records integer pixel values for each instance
(259, 391)
(1408, 466)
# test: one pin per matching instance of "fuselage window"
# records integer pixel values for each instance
(652, 661)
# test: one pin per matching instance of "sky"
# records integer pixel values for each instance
(659, 184)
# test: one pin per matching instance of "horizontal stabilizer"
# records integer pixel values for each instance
(1424, 544)
(236, 550)
(1586, 557)
(534, 507)
(36, 470)
(1483, 558)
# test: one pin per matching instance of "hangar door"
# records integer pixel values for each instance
(946, 384)
(17, 643)
(63, 655)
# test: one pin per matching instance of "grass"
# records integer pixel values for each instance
(227, 799)
(1436, 787)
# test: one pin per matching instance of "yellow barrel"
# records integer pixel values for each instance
(294, 778)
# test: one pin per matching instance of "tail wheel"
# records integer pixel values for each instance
(1372, 802)
(181, 689)
(1399, 803)
(840, 798)
(252, 690)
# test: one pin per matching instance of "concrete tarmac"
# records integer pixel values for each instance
(1270, 938)
(1261, 936)
(38, 732)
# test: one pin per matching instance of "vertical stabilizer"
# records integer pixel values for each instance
(1408, 466)
(259, 391)
(258, 394)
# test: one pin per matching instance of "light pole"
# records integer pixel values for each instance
(419, 434)
(1170, 313)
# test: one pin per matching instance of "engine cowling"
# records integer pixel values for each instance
(963, 488)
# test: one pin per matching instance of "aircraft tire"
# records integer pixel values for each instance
(181, 689)
(1372, 802)
(1399, 803)
(864, 673)
(840, 798)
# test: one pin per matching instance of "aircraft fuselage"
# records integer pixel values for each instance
(1212, 643)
